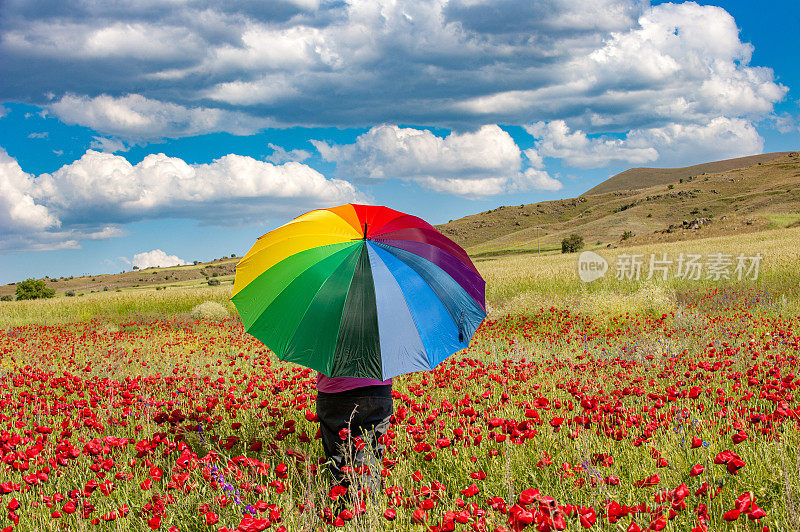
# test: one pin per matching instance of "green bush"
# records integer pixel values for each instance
(626, 235)
(6, 298)
(34, 289)
(70, 293)
(213, 282)
(572, 243)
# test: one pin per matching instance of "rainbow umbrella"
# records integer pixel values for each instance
(359, 291)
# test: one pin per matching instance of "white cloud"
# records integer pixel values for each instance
(110, 231)
(786, 123)
(404, 153)
(468, 188)
(578, 150)
(91, 197)
(3, 111)
(279, 155)
(156, 259)
(602, 66)
(673, 144)
(267, 89)
(529, 179)
(108, 186)
(682, 144)
(679, 62)
(89, 40)
(484, 162)
(108, 145)
(134, 116)
(19, 212)
(533, 179)
(38, 135)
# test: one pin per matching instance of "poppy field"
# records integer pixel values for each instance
(551, 420)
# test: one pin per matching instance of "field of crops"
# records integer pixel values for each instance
(678, 415)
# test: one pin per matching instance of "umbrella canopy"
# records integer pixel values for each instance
(359, 291)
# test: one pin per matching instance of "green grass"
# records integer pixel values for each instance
(514, 282)
(115, 306)
(783, 220)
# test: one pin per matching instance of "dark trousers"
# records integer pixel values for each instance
(365, 412)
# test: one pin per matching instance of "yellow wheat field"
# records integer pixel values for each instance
(513, 284)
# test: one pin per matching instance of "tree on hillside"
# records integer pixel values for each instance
(572, 243)
(34, 289)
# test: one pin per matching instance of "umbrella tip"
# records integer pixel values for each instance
(365, 231)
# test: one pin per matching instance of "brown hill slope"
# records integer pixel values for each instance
(636, 178)
(149, 278)
(743, 199)
(740, 200)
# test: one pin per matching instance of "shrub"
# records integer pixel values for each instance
(213, 282)
(210, 310)
(105, 289)
(6, 298)
(572, 243)
(626, 235)
(34, 289)
(70, 293)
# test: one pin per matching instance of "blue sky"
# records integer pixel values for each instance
(170, 132)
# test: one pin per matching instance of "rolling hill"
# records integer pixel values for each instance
(663, 207)
(636, 178)
(147, 279)
(638, 206)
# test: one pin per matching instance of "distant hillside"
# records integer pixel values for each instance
(732, 200)
(148, 279)
(745, 199)
(637, 178)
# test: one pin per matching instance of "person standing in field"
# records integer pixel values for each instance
(353, 416)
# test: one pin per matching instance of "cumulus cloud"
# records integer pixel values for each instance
(608, 65)
(556, 140)
(483, 162)
(392, 152)
(530, 179)
(279, 155)
(534, 179)
(678, 63)
(18, 209)
(156, 259)
(134, 116)
(673, 144)
(94, 196)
